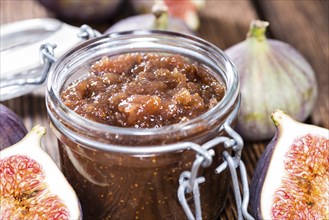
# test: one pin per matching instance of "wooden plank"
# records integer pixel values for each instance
(226, 22)
(31, 108)
(15, 10)
(305, 26)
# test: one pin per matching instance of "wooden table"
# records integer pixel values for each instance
(301, 23)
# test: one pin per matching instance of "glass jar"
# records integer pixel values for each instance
(129, 173)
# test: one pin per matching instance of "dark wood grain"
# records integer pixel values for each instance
(226, 22)
(303, 24)
(15, 10)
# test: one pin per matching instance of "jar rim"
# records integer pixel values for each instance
(220, 109)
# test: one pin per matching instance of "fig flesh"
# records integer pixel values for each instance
(12, 127)
(31, 185)
(291, 180)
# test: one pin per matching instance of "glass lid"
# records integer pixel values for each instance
(28, 47)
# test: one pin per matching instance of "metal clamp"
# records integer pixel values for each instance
(189, 181)
(87, 32)
(47, 51)
(48, 58)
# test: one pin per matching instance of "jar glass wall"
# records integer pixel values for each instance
(130, 173)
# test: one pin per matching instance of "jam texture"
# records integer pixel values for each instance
(144, 90)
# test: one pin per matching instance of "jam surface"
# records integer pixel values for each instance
(144, 90)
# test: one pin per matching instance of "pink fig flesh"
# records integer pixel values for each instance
(292, 176)
(24, 194)
(31, 184)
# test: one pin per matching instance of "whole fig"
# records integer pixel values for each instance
(83, 10)
(292, 176)
(159, 19)
(186, 10)
(273, 75)
(32, 186)
(12, 128)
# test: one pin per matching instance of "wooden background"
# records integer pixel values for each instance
(301, 23)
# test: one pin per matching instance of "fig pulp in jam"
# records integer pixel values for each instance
(141, 90)
(144, 91)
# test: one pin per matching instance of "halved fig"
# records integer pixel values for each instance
(291, 180)
(31, 184)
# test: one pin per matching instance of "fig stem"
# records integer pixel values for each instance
(160, 11)
(277, 116)
(257, 30)
(35, 135)
(39, 130)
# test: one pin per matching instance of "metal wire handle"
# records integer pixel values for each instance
(48, 58)
(189, 181)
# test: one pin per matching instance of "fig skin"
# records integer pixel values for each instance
(270, 170)
(83, 10)
(12, 127)
(186, 10)
(258, 178)
(159, 19)
(146, 22)
(273, 75)
(50, 184)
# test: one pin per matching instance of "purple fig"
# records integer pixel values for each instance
(12, 127)
(83, 10)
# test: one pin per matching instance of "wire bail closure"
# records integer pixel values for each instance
(48, 58)
(189, 181)
(47, 51)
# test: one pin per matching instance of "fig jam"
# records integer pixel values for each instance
(131, 111)
(143, 91)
